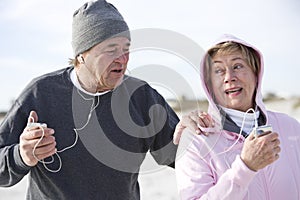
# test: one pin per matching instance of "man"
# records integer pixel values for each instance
(99, 123)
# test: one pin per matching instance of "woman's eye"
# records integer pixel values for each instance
(218, 71)
(237, 67)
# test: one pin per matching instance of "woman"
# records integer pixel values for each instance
(233, 162)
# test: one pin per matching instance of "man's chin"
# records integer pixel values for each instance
(115, 82)
(119, 81)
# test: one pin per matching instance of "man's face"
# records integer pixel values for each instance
(105, 64)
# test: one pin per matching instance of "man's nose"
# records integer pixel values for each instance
(123, 58)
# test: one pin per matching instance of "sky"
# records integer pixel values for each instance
(36, 39)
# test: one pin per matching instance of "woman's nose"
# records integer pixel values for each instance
(229, 76)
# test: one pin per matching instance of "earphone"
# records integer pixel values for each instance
(237, 139)
(80, 59)
(42, 126)
(241, 128)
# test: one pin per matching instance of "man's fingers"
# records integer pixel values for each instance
(45, 142)
(201, 118)
(33, 117)
(193, 121)
(178, 131)
(193, 124)
(45, 148)
(211, 121)
(37, 133)
(193, 117)
(205, 120)
(44, 152)
(187, 122)
(177, 136)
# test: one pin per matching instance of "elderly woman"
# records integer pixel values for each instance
(234, 162)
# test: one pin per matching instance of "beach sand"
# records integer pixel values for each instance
(158, 184)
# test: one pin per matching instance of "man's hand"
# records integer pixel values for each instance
(194, 120)
(258, 152)
(32, 147)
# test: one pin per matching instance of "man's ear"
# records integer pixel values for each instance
(80, 59)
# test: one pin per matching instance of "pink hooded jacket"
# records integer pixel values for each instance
(211, 168)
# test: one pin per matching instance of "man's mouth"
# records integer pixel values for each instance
(117, 70)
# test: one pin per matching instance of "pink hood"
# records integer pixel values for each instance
(212, 109)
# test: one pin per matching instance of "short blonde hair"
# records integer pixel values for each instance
(251, 56)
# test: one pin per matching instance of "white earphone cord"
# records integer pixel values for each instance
(240, 133)
(93, 107)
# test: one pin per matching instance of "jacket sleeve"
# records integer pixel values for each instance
(12, 167)
(165, 119)
(197, 179)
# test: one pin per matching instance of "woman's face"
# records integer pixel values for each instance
(233, 81)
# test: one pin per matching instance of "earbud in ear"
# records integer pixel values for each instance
(80, 59)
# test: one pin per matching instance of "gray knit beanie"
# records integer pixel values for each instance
(95, 22)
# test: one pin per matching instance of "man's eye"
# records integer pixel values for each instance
(111, 52)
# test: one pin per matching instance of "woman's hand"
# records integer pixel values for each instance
(258, 152)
